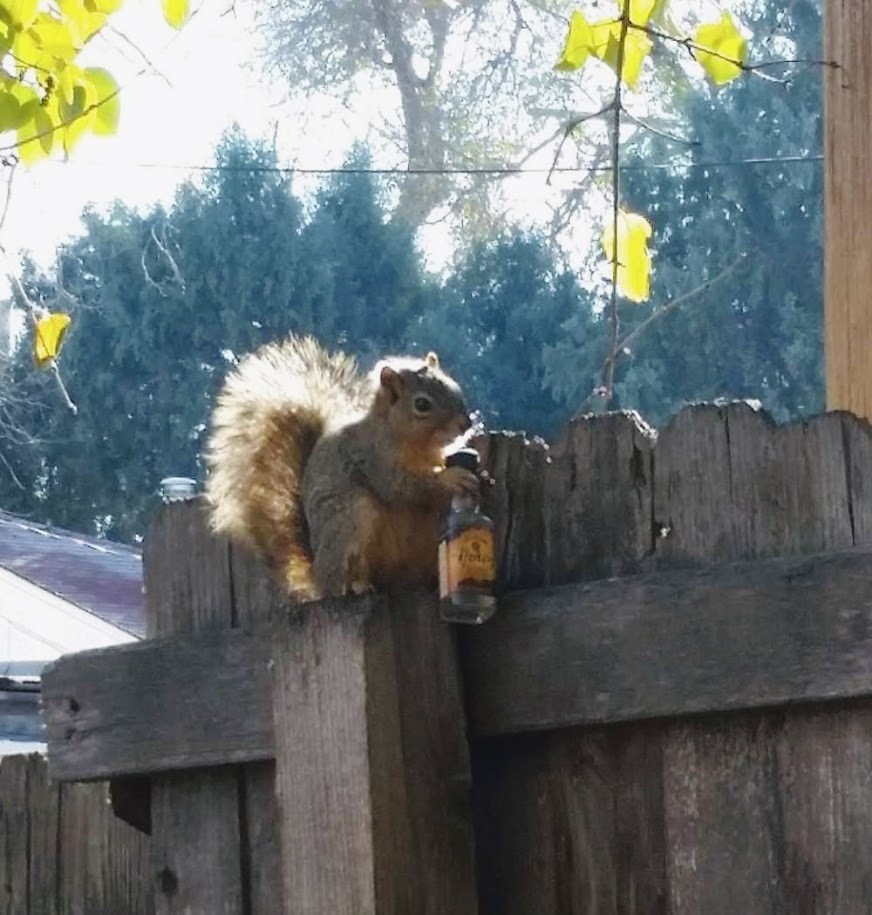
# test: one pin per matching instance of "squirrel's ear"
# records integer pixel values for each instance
(432, 360)
(390, 382)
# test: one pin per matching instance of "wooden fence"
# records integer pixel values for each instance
(669, 714)
(62, 851)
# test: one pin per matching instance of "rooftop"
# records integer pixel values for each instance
(98, 576)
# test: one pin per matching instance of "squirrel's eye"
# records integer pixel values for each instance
(422, 404)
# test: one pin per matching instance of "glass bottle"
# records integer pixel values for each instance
(466, 554)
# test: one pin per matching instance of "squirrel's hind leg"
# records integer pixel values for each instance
(340, 562)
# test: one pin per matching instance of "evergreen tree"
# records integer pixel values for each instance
(503, 307)
(165, 301)
(368, 281)
(757, 333)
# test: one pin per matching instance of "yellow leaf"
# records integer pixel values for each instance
(52, 37)
(36, 138)
(176, 12)
(604, 38)
(22, 12)
(633, 257)
(104, 91)
(605, 42)
(48, 337)
(728, 45)
(103, 6)
(641, 11)
(577, 48)
(82, 22)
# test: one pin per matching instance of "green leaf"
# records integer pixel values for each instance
(633, 257)
(729, 46)
(105, 97)
(18, 104)
(36, 137)
(577, 48)
(79, 119)
(10, 111)
(176, 12)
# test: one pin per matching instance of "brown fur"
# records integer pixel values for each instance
(330, 475)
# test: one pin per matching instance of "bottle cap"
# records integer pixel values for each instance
(463, 457)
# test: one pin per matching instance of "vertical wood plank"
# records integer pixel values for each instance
(514, 501)
(597, 499)
(14, 836)
(372, 768)
(847, 204)
(256, 602)
(744, 792)
(62, 852)
(43, 804)
(435, 755)
(104, 862)
(857, 440)
(196, 849)
(571, 822)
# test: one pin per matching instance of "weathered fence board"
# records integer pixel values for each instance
(673, 642)
(721, 604)
(723, 806)
(196, 851)
(677, 642)
(62, 850)
(106, 710)
(375, 810)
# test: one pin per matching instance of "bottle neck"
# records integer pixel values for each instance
(464, 502)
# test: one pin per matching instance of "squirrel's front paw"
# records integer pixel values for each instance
(459, 481)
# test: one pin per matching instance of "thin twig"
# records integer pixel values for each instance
(693, 48)
(8, 200)
(576, 122)
(11, 472)
(672, 304)
(684, 141)
(599, 392)
(609, 367)
(145, 58)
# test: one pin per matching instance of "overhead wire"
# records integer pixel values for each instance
(496, 170)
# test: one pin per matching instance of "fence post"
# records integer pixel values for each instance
(196, 846)
(372, 763)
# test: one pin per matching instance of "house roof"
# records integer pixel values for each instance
(98, 576)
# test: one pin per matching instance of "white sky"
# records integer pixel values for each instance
(164, 129)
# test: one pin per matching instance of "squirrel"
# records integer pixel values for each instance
(336, 478)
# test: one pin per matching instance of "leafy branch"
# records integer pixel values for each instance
(623, 43)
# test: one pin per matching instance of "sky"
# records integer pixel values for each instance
(204, 78)
(171, 120)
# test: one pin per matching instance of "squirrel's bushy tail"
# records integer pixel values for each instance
(272, 410)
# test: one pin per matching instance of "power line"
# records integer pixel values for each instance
(407, 172)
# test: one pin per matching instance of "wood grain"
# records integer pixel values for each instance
(670, 643)
(62, 850)
(744, 793)
(106, 710)
(847, 204)
(196, 848)
(256, 603)
(371, 762)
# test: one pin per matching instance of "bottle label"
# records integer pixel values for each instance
(467, 559)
